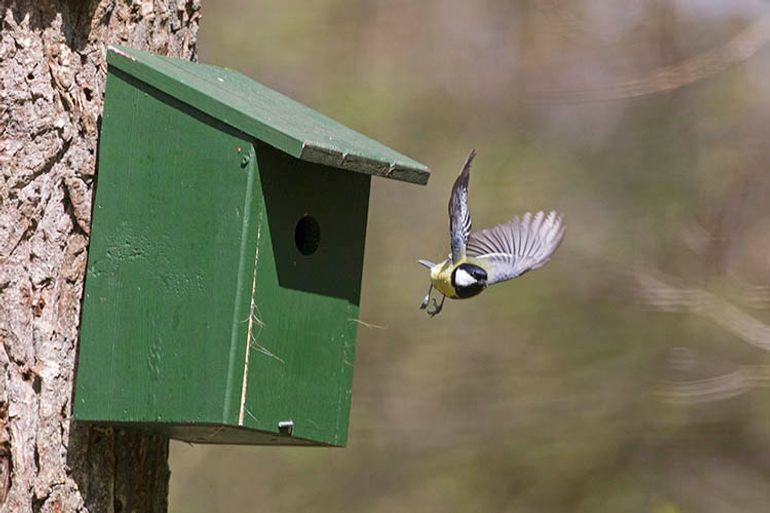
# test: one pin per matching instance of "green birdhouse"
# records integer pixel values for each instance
(224, 270)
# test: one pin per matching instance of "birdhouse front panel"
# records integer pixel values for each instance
(226, 257)
(307, 286)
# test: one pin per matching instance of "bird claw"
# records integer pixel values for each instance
(432, 301)
(436, 307)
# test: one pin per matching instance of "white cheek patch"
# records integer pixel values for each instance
(463, 279)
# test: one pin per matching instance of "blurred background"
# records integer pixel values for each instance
(628, 375)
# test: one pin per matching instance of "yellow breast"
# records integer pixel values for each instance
(441, 277)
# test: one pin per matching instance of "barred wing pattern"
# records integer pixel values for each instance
(459, 215)
(522, 244)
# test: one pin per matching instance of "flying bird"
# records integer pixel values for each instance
(493, 255)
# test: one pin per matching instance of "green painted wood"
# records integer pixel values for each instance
(194, 258)
(266, 115)
(171, 250)
(306, 307)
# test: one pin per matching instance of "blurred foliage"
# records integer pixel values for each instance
(629, 375)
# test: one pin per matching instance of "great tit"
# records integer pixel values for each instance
(492, 255)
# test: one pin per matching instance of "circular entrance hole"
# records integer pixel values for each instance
(307, 235)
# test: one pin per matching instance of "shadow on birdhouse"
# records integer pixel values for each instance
(225, 261)
(319, 217)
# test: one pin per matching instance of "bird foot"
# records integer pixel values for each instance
(436, 307)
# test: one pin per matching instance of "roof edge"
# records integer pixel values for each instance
(348, 161)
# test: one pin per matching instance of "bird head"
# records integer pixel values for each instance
(469, 280)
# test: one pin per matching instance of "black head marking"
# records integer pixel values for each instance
(478, 274)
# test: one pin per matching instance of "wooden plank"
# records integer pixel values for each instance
(267, 115)
(306, 306)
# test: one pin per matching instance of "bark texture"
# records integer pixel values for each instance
(52, 75)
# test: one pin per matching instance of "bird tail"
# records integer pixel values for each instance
(427, 263)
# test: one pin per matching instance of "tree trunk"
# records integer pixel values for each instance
(52, 75)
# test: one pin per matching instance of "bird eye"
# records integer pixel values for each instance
(307, 235)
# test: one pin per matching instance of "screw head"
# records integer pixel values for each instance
(285, 427)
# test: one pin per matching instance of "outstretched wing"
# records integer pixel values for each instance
(522, 244)
(459, 216)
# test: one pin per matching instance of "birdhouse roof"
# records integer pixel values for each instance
(238, 101)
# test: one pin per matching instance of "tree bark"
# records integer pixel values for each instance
(52, 76)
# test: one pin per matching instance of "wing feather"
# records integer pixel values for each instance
(459, 215)
(522, 244)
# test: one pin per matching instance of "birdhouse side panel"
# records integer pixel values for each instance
(165, 316)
